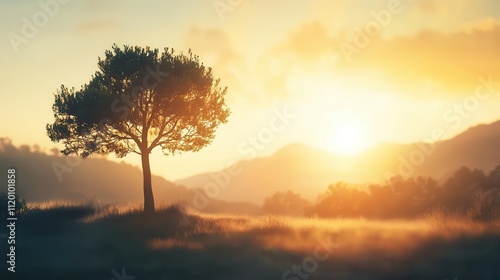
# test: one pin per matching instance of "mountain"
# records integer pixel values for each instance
(42, 177)
(296, 167)
(477, 147)
(308, 171)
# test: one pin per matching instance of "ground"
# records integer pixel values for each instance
(88, 242)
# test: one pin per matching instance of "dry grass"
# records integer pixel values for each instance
(483, 208)
(356, 238)
(183, 244)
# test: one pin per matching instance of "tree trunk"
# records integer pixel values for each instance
(149, 203)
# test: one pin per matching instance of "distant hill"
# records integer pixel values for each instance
(299, 168)
(477, 147)
(93, 178)
(296, 167)
(308, 171)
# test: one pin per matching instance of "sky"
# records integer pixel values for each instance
(342, 75)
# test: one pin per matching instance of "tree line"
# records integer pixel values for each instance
(469, 192)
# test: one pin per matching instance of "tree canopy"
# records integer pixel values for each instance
(138, 100)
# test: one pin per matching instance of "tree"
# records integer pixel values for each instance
(139, 100)
(286, 203)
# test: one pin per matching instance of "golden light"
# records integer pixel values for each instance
(346, 139)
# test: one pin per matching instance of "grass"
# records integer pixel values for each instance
(89, 241)
(483, 208)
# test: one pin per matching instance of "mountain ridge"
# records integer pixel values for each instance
(309, 170)
(296, 167)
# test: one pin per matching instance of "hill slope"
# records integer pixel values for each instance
(309, 171)
(42, 177)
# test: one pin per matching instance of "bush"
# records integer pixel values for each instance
(272, 222)
(437, 215)
(483, 207)
(59, 218)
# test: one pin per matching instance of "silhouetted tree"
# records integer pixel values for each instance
(286, 203)
(139, 100)
(459, 188)
(494, 179)
(465, 191)
(341, 199)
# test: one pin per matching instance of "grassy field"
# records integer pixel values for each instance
(90, 242)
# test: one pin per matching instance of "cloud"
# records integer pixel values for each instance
(304, 49)
(442, 63)
(446, 8)
(310, 41)
(214, 48)
(427, 6)
(454, 60)
(483, 25)
(213, 45)
(95, 26)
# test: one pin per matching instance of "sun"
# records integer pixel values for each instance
(346, 139)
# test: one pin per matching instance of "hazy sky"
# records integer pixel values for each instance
(340, 75)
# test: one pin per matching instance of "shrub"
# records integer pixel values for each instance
(437, 215)
(483, 207)
(272, 222)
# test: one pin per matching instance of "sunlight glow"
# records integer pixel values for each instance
(346, 139)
